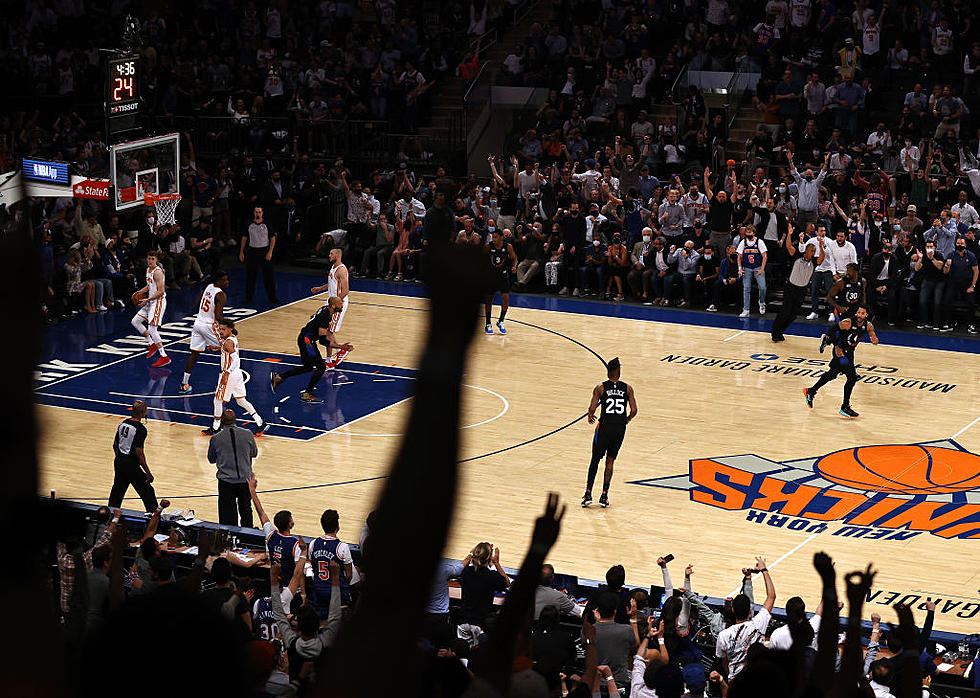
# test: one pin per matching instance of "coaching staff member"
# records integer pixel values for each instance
(255, 252)
(798, 282)
(612, 397)
(232, 450)
(130, 462)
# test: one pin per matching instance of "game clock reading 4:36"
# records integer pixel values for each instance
(122, 97)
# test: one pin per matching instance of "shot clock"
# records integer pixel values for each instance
(122, 88)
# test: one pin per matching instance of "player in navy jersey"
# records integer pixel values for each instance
(612, 396)
(847, 295)
(263, 616)
(503, 264)
(317, 329)
(282, 545)
(844, 336)
(323, 550)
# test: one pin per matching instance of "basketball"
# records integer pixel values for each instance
(138, 296)
(902, 469)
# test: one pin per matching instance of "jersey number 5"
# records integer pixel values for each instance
(615, 405)
(323, 571)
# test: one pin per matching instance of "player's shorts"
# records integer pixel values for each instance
(205, 336)
(153, 311)
(338, 318)
(231, 384)
(607, 441)
(849, 312)
(501, 282)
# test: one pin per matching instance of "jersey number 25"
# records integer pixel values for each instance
(615, 405)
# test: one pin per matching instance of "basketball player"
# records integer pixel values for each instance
(318, 329)
(338, 285)
(231, 383)
(204, 335)
(152, 303)
(323, 550)
(845, 297)
(612, 396)
(844, 336)
(503, 263)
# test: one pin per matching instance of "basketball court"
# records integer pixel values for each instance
(724, 461)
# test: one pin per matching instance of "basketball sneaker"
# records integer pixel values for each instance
(162, 361)
(262, 428)
(812, 316)
(744, 313)
(587, 499)
(151, 351)
(184, 389)
(712, 308)
(310, 398)
(500, 327)
(275, 380)
(824, 341)
(489, 328)
(808, 396)
(604, 500)
(848, 412)
(762, 308)
(210, 431)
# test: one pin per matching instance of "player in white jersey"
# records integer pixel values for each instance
(204, 334)
(152, 303)
(338, 285)
(231, 383)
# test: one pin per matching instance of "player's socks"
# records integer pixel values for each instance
(154, 336)
(503, 314)
(187, 379)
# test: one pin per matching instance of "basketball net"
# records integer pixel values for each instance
(165, 205)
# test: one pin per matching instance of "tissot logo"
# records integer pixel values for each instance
(894, 489)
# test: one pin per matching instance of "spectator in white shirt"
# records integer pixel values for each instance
(968, 214)
(879, 139)
(909, 157)
(782, 639)
(778, 10)
(841, 252)
(734, 642)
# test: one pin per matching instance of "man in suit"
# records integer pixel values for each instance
(885, 280)
(274, 195)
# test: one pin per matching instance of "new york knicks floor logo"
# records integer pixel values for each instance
(932, 486)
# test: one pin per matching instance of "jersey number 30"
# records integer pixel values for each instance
(615, 405)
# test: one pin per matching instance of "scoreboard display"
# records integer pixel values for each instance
(122, 87)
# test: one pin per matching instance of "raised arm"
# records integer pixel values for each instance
(253, 485)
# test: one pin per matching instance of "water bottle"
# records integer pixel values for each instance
(964, 648)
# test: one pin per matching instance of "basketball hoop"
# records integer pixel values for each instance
(165, 205)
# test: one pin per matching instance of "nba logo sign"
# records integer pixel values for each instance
(929, 487)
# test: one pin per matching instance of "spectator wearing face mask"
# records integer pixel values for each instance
(884, 281)
(707, 268)
(686, 259)
(643, 266)
(960, 286)
(752, 257)
(727, 282)
(594, 267)
(808, 187)
(934, 269)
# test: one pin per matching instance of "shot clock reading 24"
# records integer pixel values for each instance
(122, 96)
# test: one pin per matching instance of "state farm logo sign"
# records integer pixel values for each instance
(91, 189)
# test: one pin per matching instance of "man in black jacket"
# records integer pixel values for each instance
(885, 281)
(573, 240)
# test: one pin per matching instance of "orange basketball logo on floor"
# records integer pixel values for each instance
(931, 487)
(908, 469)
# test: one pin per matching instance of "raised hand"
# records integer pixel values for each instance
(858, 584)
(824, 565)
(548, 525)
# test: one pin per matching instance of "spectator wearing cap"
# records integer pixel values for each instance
(911, 223)
(960, 286)
(648, 184)
(808, 189)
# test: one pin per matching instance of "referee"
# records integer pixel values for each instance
(130, 462)
(612, 395)
(256, 252)
(804, 262)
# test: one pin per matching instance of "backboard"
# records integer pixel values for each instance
(149, 165)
